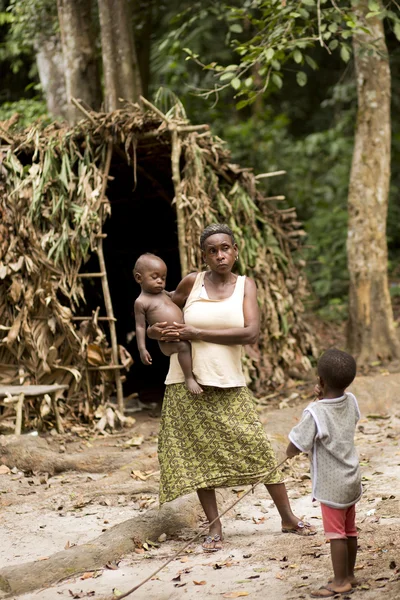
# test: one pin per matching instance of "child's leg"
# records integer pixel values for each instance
(334, 525)
(184, 351)
(351, 532)
(185, 360)
(340, 561)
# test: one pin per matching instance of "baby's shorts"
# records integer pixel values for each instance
(339, 523)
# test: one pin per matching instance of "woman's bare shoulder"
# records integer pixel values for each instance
(188, 281)
(249, 285)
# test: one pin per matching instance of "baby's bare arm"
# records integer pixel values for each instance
(140, 318)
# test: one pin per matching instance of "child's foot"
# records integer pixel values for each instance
(193, 386)
(354, 582)
(330, 590)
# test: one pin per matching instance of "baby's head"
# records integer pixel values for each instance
(150, 272)
(336, 370)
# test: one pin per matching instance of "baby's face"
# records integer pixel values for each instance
(154, 276)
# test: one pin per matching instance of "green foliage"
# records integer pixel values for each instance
(30, 110)
(269, 36)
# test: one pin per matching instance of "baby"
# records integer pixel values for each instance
(154, 305)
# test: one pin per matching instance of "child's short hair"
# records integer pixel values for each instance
(144, 260)
(337, 369)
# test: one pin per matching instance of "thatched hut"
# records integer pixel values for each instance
(77, 207)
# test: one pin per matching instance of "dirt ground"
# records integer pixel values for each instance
(42, 515)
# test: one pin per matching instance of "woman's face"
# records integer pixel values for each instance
(219, 253)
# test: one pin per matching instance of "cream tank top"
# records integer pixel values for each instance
(213, 364)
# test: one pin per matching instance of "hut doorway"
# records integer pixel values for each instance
(142, 220)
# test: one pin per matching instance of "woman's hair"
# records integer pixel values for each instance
(337, 369)
(213, 229)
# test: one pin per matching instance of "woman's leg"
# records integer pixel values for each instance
(208, 501)
(280, 498)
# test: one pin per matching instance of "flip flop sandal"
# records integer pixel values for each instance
(211, 540)
(329, 589)
(303, 528)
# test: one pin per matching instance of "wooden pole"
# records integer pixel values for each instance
(18, 420)
(176, 148)
(113, 330)
(106, 290)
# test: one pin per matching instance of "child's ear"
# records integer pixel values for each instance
(138, 277)
(321, 383)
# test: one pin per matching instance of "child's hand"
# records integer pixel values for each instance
(146, 358)
(318, 391)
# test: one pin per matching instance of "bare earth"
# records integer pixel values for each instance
(39, 518)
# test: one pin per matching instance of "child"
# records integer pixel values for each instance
(154, 305)
(326, 432)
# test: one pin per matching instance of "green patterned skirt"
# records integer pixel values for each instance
(211, 440)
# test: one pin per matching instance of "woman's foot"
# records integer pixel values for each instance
(298, 528)
(193, 386)
(330, 590)
(213, 542)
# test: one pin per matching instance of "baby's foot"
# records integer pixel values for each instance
(193, 386)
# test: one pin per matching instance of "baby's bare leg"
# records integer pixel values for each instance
(184, 351)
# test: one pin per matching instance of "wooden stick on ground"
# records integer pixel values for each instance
(202, 530)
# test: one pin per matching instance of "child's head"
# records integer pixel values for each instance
(336, 370)
(150, 272)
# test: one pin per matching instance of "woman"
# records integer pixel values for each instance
(215, 439)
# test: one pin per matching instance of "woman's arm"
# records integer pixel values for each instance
(182, 292)
(232, 336)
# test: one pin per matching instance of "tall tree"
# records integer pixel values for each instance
(50, 64)
(81, 66)
(283, 33)
(371, 333)
(120, 64)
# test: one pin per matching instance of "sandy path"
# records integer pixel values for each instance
(37, 520)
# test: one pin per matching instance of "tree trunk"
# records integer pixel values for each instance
(144, 9)
(371, 333)
(50, 64)
(118, 541)
(120, 63)
(81, 67)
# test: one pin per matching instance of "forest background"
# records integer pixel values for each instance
(303, 122)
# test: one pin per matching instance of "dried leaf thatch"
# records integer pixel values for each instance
(52, 210)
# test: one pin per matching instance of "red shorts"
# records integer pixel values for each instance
(339, 523)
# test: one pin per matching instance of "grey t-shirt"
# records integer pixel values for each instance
(326, 432)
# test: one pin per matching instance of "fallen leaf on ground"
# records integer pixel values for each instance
(162, 537)
(117, 592)
(138, 475)
(199, 582)
(113, 566)
(184, 559)
(137, 440)
(279, 576)
(43, 558)
(4, 470)
(237, 594)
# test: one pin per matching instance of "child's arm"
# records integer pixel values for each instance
(292, 450)
(140, 318)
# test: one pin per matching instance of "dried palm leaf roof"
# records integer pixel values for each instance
(53, 204)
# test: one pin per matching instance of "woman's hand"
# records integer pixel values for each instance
(156, 330)
(180, 331)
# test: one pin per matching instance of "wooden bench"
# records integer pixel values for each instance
(16, 394)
